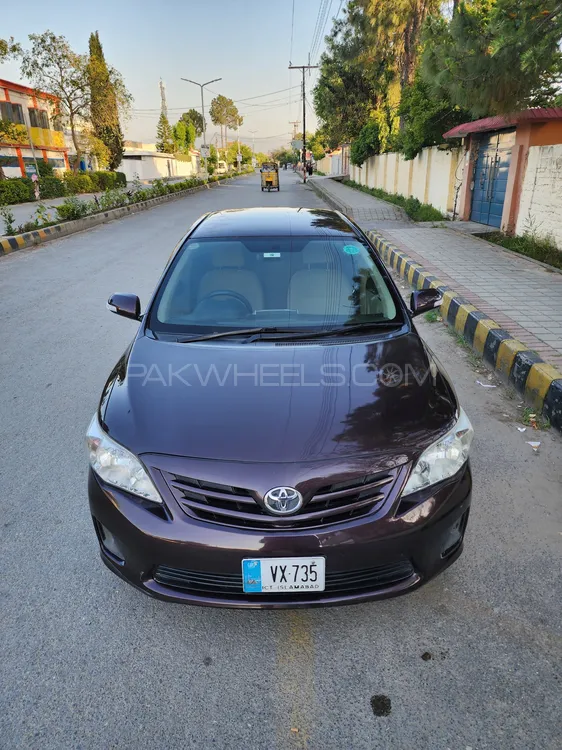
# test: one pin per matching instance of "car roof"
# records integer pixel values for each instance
(273, 222)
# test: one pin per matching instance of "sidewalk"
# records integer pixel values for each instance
(520, 295)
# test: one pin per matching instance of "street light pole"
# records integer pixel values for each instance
(202, 86)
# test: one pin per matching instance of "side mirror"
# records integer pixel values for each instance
(127, 305)
(424, 300)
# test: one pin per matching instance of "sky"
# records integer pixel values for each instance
(247, 43)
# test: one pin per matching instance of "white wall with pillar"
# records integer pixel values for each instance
(432, 177)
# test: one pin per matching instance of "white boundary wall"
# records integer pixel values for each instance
(540, 206)
(432, 177)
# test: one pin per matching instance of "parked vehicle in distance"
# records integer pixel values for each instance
(278, 434)
(221, 167)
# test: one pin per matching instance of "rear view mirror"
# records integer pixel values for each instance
(127, 305)
(424, 300)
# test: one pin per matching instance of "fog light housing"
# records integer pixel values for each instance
(455, 535)
(109, 543)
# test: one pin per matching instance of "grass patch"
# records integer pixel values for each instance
(471, 355)
(532, 418)
(433, 316)
(412, 206)
(322, 174)
(532, 246)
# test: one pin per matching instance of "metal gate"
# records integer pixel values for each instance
(490, 177)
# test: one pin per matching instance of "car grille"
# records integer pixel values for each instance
(235, 506)
(229, 585)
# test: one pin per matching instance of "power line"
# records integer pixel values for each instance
(186, 107)
(316, 25)
(323, 13)
(320, 37)
(292, 30)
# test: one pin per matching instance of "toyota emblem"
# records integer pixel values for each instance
(282, 501)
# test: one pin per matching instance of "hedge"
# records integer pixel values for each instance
(51, 187)
(20, 189)
(16, 190)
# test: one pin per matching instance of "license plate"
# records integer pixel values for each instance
(283, 574)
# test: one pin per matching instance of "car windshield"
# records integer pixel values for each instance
(296, 283)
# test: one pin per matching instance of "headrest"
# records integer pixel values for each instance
(228, 257)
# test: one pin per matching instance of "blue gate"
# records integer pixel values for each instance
(490, 177)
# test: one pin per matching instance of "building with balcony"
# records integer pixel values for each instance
(34, 114)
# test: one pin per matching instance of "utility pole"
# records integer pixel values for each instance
(303, 68)
(295, 124)
(201, 86)
(253, 132)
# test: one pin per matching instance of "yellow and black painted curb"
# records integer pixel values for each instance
(538, 382)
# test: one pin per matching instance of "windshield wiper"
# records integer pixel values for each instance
(339, 331)
(291, 334)
(233, 332)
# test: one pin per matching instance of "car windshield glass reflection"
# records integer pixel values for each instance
(299, 283)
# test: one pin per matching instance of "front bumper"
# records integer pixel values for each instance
(377, 557)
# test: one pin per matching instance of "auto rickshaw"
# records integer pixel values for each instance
(269, 176)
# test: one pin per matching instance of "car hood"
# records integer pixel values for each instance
(267, 402)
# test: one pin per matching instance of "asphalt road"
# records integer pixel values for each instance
(88, 662)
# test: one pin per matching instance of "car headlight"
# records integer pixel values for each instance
(443, 458)
(118, 466)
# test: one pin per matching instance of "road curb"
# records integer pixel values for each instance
(9, 245)
(328, 198)
(539, 383)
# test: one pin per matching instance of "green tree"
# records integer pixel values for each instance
(261, 157)
(232, 151)
(52, 66)
(164, 135)
(371, 55)
(195, 118)
(223, 112)
(425, 118)
(495, 56)
(317, 145)
(8, 48)
(107, 95)
(366, 144)
(183, 134)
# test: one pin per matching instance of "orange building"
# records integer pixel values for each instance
(34, 115)
(511, 169)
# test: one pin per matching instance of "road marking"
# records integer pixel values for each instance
(295, 680)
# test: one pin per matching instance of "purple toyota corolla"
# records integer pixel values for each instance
(277, 434)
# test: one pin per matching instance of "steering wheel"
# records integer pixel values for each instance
(228, 293)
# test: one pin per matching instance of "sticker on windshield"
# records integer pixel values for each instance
(272, 255)
(351, 249)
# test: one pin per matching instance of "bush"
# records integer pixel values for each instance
(74, 208)
(78, 183)
(45, 169)
(16, 190)
(107, 180)
(113, 199)
(51, 187)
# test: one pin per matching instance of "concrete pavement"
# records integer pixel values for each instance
(87, 662)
